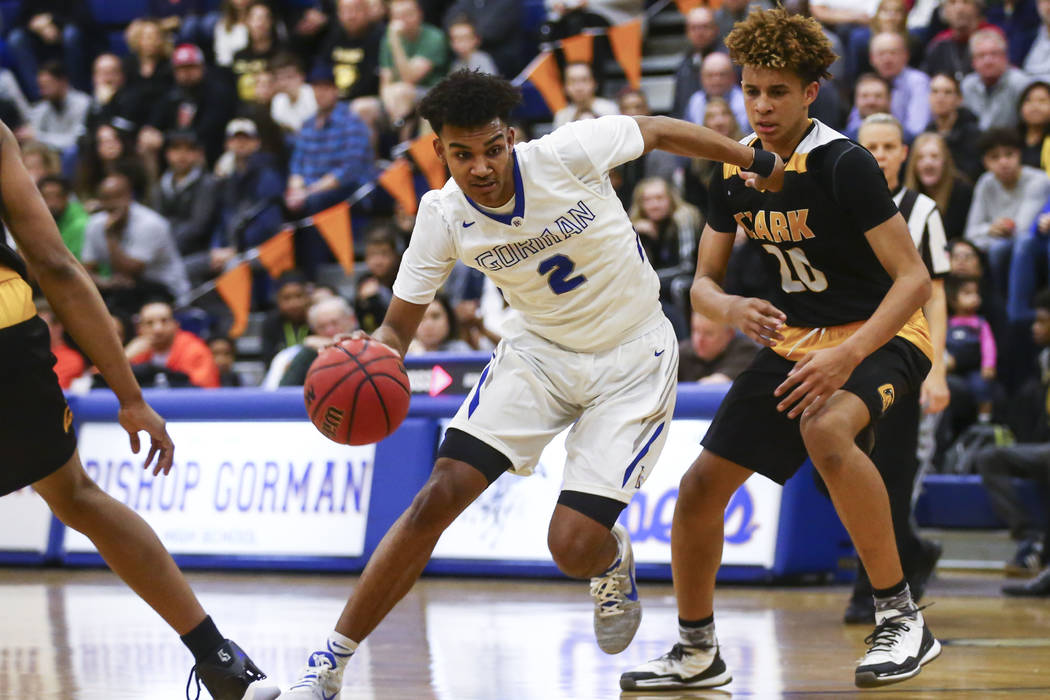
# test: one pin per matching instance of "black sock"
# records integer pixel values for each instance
(697, 623)
(892, 591)
(203, 639)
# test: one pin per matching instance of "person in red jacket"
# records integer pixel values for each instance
(166, 349)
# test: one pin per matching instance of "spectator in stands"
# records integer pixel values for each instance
(931, 171)
(668, 230)
(717, 79)
(58, 118)
(870, 96)
(970, 348)
(1034, 111)
(14, 107)
(201, 100)
(40, 160)
(328, 318)
(1005, 202)
(1018, 21)
(701, 29)
(967, 261)
(910, 88)
(655, 163)
(224, 353)
(128, 249)
(411, 52)
(188, 19)
(231, 31)
(107, 151)
(294, 101)
(332, 155)
(581, 93)
(375, 287)
(955, 123)
(697, 175)
(112, 99)
(110, 149)
(993, 89)
(263, 45)
(147, 66)
(438, 331)
(249, 198)
(1037, 62)
(68, 213)
(272, 137)
(714, 352)
(286, 325)
(949, 52)
(352, 47)
(307, 22)
(466, 48)
(69, 364)
(1029, 458)
(187, 196)
(50, 30)
(162, 354)
(498, 25)
(890, 16)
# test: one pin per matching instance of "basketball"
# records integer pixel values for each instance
(356, 392)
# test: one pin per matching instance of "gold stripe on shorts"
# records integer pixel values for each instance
(16, 298)
(799, 341)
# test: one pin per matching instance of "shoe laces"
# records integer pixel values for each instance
(888, 631)
(679, 651)
(606, 592)
(314, 675)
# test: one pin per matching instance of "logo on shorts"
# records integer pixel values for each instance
(886, 394)
(67, 419)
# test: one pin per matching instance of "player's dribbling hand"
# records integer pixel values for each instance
(815, 378)
(757, 319)
(773, 183)
(138, 415)
(360, 335)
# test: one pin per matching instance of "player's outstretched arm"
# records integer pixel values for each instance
(762, 169)
(400, 324)
(73, 296)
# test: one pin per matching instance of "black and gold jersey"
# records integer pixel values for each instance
(820, 269)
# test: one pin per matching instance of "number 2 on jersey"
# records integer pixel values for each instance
(805, 277)
(560, 267)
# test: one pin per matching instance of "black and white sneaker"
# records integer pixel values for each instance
(682, 667)
(898, 648)
(228, 674)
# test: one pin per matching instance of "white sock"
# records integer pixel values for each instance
(342, 648)
(618, 559)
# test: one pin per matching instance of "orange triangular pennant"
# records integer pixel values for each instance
(334, 225)
(578, 49)
(543, 74)
(626, 41)
(235, 288)
(422, 150)
(278, 253)
(397, 180)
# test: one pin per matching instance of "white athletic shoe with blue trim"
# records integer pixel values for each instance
(617, 610)
(318, 681)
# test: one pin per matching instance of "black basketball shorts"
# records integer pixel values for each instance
(749, 430)
(36, 425)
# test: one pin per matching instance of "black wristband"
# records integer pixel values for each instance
(764, 163)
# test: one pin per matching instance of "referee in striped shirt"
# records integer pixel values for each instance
(896, 445)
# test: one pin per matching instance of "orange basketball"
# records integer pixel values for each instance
(356, 392)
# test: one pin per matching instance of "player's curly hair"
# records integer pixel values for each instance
(468, 98)
(778, 40)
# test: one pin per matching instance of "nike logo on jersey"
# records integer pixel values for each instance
(657, 354)
(468, 225)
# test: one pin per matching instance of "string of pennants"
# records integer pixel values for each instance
(277, 255)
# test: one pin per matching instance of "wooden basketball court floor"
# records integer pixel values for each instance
(80, 635)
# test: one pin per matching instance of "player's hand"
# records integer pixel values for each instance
(934, 394)
(773, 183)
(813, 380)
(137, 415)
(757, 319)
(988, 373)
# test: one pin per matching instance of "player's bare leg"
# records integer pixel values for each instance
(133, 551)
(697, 535)
(901, 642)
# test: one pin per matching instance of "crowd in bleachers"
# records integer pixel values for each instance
(168, 137)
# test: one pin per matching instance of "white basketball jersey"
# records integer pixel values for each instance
(567, 258)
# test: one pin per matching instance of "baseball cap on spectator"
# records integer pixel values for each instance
(321, 73)
(245, 127)
(185, 136)
(187, 55)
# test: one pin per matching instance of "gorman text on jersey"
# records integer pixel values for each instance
(571, 223)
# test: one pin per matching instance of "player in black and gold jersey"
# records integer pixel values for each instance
(38, 442)
(845, 338)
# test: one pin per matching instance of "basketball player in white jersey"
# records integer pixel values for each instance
(591, 346)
